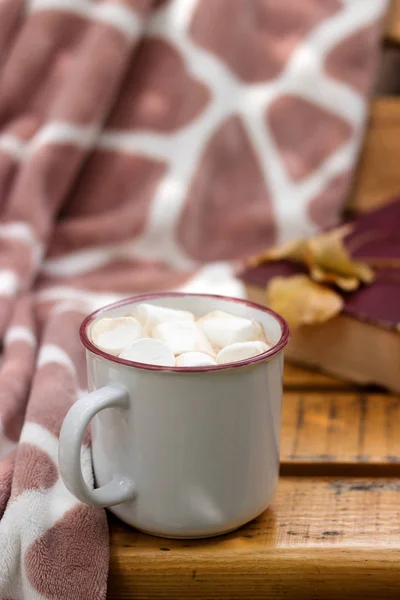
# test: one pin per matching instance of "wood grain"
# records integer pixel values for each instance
(296, 377)
(322, 538)
(392, 33)
(331, 432)
(377, 178)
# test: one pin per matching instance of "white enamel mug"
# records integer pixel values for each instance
(179, 451)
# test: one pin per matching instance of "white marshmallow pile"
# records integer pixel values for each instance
(194, 359)
(183, 336)
(150, 315)
(223, 329)
(163, 336)
(149, 351)
(114, 335)
(240, 351)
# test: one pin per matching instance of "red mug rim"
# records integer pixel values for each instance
(283, 340)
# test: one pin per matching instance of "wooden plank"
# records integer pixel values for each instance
(388, 76)
(296, 377)
(322, 538)
(349, 432)
(378, 177)
(392, 33)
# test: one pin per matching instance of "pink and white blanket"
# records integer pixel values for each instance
(146, 144)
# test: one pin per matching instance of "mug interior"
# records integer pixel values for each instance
(276, 328)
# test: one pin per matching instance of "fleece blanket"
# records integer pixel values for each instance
(146, 145)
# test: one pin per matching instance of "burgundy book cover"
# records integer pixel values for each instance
(377, 235)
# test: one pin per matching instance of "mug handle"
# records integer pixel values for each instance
(120, 488)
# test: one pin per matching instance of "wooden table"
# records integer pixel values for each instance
(333, 530)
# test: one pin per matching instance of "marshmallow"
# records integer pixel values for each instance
(183, 336)
(150, 315)
(223, 329)
(194, 359)
(241, 351)
(147, 350)
(113, 335)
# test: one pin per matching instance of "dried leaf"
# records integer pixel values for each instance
(329, 261)
(302, 301)
(345, 283)
(296, 251)
(326, 258)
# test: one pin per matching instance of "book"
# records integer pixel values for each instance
(362, 343)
